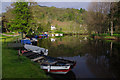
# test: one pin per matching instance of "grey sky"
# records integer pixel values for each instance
(5, 5)
(75, 5)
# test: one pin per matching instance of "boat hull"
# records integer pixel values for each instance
(51, 64)
(58, 71)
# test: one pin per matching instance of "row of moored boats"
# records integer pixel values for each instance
(47, 63)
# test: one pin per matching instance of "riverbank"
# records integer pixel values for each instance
(115, 37)
(14, 66)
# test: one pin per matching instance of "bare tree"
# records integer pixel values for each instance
(113, 9)
(97, 16)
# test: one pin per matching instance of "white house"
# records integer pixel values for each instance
(53, 27)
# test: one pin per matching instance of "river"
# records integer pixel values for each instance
(94, 58)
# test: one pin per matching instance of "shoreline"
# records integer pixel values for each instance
(18, 66)
(113, 38)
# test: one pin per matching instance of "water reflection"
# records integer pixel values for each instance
(95, 58)
(52, 39)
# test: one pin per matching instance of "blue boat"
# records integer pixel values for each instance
(36, 36)
(26, 41)
(43, 35)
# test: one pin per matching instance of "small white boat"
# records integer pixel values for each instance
(56, 69)
(34, 39)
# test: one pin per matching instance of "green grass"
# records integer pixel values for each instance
(116, 35)
(19, 67)
(106, 34)
(109, 37)
(102, 34)
(59, 32)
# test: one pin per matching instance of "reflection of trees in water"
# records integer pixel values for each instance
(115, 59)
(103, 59)
(68, 46)
(99, 66)
(45, 43)
(96, 59)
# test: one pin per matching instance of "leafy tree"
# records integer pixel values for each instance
(40, 29)
(22, 17)
(81, 10)
(41, 17)
(48, 26)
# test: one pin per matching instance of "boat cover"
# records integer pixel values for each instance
(35, 49)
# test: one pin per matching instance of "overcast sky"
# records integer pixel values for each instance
(75, 5)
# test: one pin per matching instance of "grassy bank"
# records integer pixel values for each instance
(107, 36)
(14, 66)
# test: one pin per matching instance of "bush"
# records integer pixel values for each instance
(102, 34)
(59, 32)
(116, 35)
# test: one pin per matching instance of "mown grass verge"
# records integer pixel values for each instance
(14, 66)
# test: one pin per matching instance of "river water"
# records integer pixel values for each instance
(94, 58)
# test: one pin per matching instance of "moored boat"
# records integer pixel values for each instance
(51, 64)
(36, 49)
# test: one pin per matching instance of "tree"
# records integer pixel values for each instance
(115, 16)
(22, 17)
(111, 15)
(82, 10)
(48, 26)
(4, 25)
(96, 17)
(6, 19)
(40, 29)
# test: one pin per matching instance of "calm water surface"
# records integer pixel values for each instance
(94, 58)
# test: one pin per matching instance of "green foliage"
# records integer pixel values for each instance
(108, 37)
(21, 21)
(40, 29)
(48, 26)
(81, 10)
(106, 34)
(38, 19)
(59, 32)
(102, 34)
(116, 35)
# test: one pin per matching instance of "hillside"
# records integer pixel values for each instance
(42, 17)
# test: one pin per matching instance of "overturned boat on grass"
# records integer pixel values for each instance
(51, 64)
(36, 49)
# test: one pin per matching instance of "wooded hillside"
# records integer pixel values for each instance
(41, 18)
